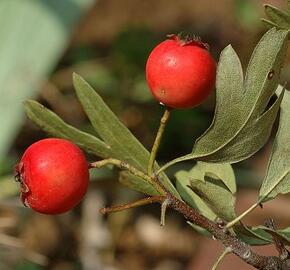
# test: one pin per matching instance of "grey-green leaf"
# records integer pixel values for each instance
(136, 183)
(183, 187)
(55, 126)
(213, 187)
(254, 236)
(269, 23)
(123, 143)
(277, 180)
(216, 195)
(278, 17)
(241, 126)
(282, 235)
(223, 172)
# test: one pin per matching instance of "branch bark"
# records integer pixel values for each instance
(239, 248)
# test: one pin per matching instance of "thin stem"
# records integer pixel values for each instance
(157, 141)
(225, 252)
(174, 161)
(126, 166)
(121, 207)
(237, 219)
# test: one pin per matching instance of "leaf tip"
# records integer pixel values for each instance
(76, 77)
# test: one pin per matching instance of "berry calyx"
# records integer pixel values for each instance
(53, 175)
(181, 72)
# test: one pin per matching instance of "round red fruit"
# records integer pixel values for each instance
(180, 73)
(53, 175)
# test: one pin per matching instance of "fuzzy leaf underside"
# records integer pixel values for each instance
(251, 138)
(242, 112)
(277, 180)
(206, 188)
(242, 121)
(55, 126)
(123, 143)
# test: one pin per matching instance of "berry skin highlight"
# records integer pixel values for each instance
(53, 175)
(180, 73)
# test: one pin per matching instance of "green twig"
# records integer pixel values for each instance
(237, 219)
(157, 141)
(126, 166)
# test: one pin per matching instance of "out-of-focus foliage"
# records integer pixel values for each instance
(33, 37)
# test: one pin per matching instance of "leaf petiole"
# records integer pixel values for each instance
(237, 219)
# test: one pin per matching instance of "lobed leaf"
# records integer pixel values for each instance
(55, 126)
(277, 180)
(242, 121)
(122, 142)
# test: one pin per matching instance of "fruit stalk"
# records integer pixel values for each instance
(156, 144)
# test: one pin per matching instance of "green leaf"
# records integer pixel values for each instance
(268, 23)
(242, 122)
(223, 172)
(55, 126)
(199, 230)
(278, 17)
(213, 186)
(254, 236)
(123, 144)
(217, 196)
(183, 184)
(277, 180)
(262, 235)
(285, 233)
(136, 183)
(282, 235)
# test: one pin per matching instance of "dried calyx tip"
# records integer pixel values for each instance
(188, 39)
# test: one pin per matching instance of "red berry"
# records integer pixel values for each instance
(180, 74)
(53, 174)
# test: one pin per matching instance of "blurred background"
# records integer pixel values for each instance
(107, 42)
